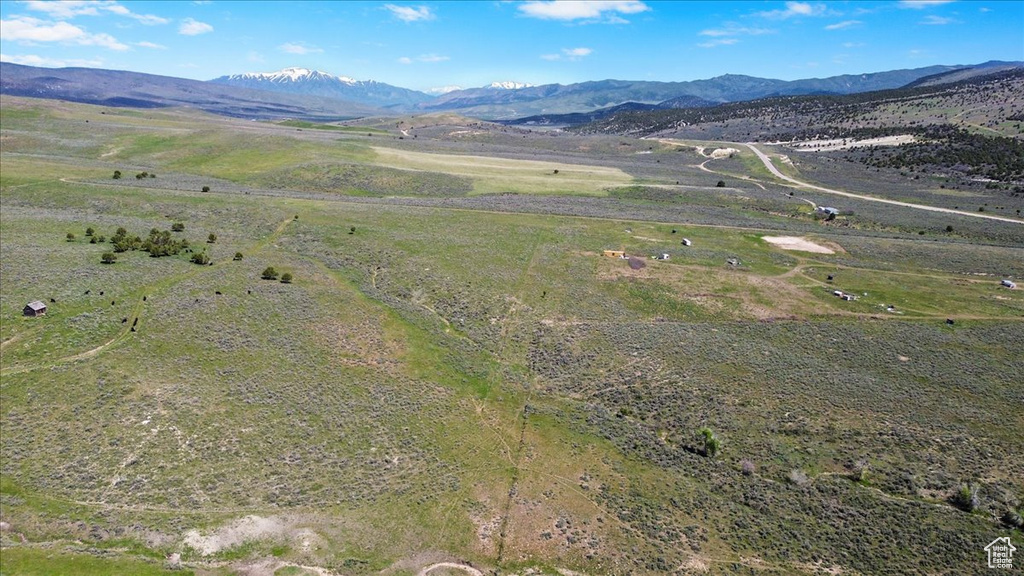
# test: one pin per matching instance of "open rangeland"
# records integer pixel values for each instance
(455, 380)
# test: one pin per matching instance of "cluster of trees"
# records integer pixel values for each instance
(162, 243)
(271, 274)
(158, 243)
(994, 157)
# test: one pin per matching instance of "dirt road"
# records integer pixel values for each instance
(771, 168)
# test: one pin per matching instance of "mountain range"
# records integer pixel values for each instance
(310, 94)
(136, 90)
(315, 83)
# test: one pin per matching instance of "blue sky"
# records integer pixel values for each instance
(423, 45)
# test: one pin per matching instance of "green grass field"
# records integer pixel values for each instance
(457, 374)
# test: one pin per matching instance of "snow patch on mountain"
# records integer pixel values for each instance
(509, 85)
(443, 89)
(292, 75)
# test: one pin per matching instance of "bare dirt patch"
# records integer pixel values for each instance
(799, 244)
(449, 567)
(847, 143)
(718, 153)
(235, 533)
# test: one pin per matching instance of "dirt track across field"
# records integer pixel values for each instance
(771, 168)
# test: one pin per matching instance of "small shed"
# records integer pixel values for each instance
(615, 253)
(686, 242)
(35, 308)
(1009, 284)
(662, 256)
(829, 212)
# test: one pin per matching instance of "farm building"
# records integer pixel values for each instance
(844, 295)
(1009, 283)
(36, 308)
(828, 212)
(615, 253)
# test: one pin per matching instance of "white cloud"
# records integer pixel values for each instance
(582, 9)
(571, 54)
(254, 56)
(843, 24)
(104, 40)
(299, 48)
(933, 20)
(718, 42)
(192, 27)
(68, 9)
(33, 60)
(795, 9)
(28, 30)
(24, 28)
(148, 19)
(428, 58)
(410, 13)
(731, 29)
(151, 45)
(71, 8)
(919, 4)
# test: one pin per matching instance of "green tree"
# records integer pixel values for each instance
(117, 174)
(70, 237)
(721, 184)
(286, 278)
(269, 273)
(966, 497)
(108, 258)
(711, 442)
(238, 256)
(206, 188)
(200, 258)
(89, 231)
(177, 227)
(211, 238)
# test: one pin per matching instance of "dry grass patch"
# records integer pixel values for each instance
(509, 175)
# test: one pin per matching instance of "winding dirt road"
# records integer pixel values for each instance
(771, 168)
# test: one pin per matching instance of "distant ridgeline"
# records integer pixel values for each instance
(975, 139)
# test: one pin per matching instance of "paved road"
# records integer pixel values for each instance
(771, 168)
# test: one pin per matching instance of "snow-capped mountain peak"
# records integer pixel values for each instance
(298, 80)
(292, 75)
(509, 85)
(443, 89)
